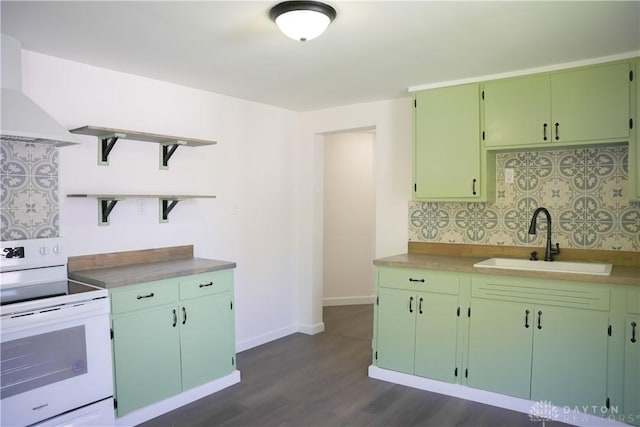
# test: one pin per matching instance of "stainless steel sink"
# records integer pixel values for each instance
(553, 266)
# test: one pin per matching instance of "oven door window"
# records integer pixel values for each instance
(39, 360)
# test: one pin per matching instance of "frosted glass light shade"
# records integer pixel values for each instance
(302, 20)
(302, 24)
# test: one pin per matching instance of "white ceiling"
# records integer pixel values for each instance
(374, 50)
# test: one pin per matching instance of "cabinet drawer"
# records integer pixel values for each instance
(206, 284)
(144, 295)
(420, 280)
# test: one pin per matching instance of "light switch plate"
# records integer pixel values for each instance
(508, 176)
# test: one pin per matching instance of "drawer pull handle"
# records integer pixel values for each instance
(175, 318)
(411, 279)
(204, 285)
(526, 319)
(420, 306)
(544, 132)
(145, 296)
(411, 305)
(184, 315)
(633, 331)
(540, 320)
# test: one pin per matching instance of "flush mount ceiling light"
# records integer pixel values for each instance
(302, 20)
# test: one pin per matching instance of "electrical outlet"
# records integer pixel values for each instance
(508, 176)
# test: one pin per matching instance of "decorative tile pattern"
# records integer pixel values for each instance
(585, 190)
(29, 197)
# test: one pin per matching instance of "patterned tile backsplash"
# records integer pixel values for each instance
(585, 190)
(29, 175)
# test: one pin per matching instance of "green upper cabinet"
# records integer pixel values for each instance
(634, 144)
(516, 111)
(590, 104)
(449, 163)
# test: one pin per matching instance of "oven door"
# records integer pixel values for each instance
(54, 361)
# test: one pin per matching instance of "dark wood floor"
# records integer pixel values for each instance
(321, 380)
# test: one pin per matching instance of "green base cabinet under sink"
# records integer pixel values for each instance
(170, 336)
(573, 344)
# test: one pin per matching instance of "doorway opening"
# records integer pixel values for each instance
(348, 218)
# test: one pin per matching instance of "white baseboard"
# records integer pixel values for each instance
(311, 329)
(148, 412)
(566, 415)
(328, 302)
(265, 338)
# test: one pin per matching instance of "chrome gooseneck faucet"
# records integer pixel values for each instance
(549, 251)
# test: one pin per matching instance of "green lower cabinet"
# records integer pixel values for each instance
(396, 330)
(500, 346)
(570, 357)
(170, 336)
(436, 333)
(146, 358)
(632, 370)
(417, 333)
(554, 354)
(206, 340)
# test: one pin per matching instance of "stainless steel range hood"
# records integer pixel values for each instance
(22, 119)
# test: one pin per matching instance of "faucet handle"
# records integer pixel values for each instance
(533, 256)
(555, 250)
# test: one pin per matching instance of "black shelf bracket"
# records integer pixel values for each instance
(166, 206)
(166, 151)
(107, 143)
(106, 206)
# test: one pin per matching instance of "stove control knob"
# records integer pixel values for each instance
(57, 249)
(44, 250)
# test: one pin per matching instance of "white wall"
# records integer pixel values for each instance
(348, 218)
(249, 170)
(264, 171)
(392, 176)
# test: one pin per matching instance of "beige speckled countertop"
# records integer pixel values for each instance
(113, 277)
(111, 270)
(620, 275)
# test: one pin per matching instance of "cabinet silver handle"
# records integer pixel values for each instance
(557, 131)
(544, 132)
(204, 285)
(175, 318)
(420, 305)
(411, 305)
(411, 279)
(526, 319)
(184, 315)
(145, 296)
(633, 331)
(473, 186)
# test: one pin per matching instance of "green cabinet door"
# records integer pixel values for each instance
(436, 336)
(500, 346)
(146, 356)
(447, 154)
(396, 329)
(206, 339)
(591, 103)
(516, 111)
(569, 356)
(632, 369)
